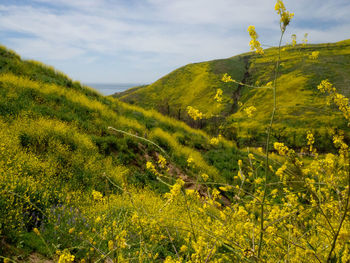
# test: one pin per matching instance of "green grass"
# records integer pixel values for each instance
(56, 151)
(55, 143)
(198, 81)
(300, 105)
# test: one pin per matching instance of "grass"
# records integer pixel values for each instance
(299, 74)
(70, 186)
(56, 148)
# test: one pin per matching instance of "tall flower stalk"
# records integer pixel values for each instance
(285, 18)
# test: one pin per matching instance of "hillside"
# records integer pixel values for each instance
(88, 178)
(198, 82)
(297, 93)
(58, 155)
(260, 172)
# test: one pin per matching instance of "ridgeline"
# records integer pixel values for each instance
(300, 105)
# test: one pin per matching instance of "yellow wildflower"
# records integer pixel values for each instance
(280, 171)
(150, 167)
(205, 177)
(227, 78)
(190, 161)
(175, 189)
(254, 43)
(310, 140)
(269, 84)
(225, 188)
(326, 86)
(194, 113)
(294, 40)
(183, 248)
(218, 95)
(314, 55)
(97, 196)
(249, 111)
(161, 161)
(110, 245)
(285, 15)
(214, 141)
(66, 257)
(36, 231)
(280, 148)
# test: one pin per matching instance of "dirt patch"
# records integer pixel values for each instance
(37, 258)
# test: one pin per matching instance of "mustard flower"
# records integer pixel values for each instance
(183, 248)
(218, 95)
(161, 161)
(97, 196)
(36, 231)
(98, 220)
(66, 257)
(310, 140)
(254, 43)
(281, 148)
(194, 113)
(249, 111)
(110, 245)
(285, 15)
(150, 167)
(314, 55)
(175, 189)
(190, 161)
(215, 141)
(205, 177)
(227, 78)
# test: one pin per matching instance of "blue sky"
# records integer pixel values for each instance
(138, 41)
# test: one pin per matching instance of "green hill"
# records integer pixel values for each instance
(88, 178)
(57, 150)
(300, 105)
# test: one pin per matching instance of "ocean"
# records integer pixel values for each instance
(109, 89)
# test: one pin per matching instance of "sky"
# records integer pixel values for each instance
(139, 41)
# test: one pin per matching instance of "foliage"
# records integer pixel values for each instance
(57, 152)
(85, 178)
(299, 102)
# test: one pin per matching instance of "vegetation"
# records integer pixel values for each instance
(87, 178)
(57, 149)
(300, 105)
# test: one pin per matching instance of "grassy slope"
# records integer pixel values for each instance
(30, 88)
(300, 105)
(194, 85)
(55, 144)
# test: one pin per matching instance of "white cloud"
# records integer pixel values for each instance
(155, 34)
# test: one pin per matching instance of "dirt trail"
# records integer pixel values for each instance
(236, 95)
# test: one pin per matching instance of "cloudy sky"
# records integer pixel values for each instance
(138, 41)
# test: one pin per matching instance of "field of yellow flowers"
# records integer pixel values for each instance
(88, 178)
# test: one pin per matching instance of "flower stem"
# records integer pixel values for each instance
(267, 146)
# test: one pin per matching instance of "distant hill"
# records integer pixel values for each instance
(300, 104)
